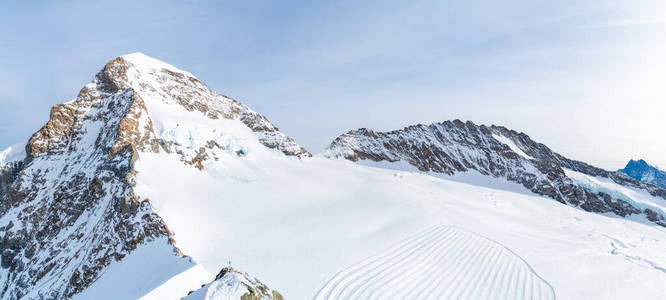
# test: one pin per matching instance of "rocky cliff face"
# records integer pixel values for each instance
(643, 172)
(68, 209)
(455, 146)
(233, 284)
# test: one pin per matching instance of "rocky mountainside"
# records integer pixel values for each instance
(455, 146)
(643, 172)
(68, 208)
(233, 284)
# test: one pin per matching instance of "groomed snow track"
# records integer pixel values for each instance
(441, 262)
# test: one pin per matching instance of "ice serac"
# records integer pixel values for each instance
(233, 284)
(644, 172)
(454, 146)
(68, 208)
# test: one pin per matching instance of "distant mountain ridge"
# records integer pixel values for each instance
(644, 172)
(455, 146)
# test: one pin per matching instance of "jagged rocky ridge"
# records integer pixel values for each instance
(455, 146)
(234, 284)
(68, 209)
(644, 172)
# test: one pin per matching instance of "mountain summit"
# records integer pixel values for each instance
(68, 206)
(644, 172)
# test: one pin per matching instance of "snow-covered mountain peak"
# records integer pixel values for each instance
(68, 207)
(136, 93)
(644, 172)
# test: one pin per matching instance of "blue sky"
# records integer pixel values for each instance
(584, 77)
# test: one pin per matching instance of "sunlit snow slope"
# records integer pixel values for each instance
(296, 224)
(440, 263)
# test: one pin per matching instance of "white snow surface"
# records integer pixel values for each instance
(296, 223)
(470, 176)
(179, 285)
(441, 262)
(150, 64)
(141, 272)
(507, 141)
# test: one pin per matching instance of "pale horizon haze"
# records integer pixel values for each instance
(586, 78)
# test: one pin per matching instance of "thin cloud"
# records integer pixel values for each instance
(630, 22)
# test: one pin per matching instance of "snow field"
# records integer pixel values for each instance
(512, 145)
(295, 224)
(441, 262)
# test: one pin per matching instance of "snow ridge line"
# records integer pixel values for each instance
(440, 262)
